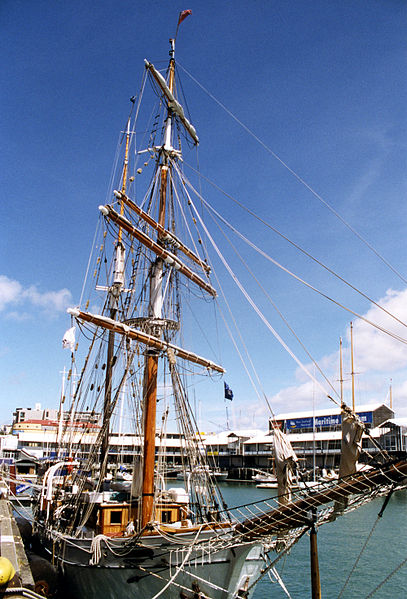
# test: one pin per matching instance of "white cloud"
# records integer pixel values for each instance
(366, 180)
(54, 300)
(12, 293)
(376, 350)
(378, 358)
(18, 316)
(9, 291)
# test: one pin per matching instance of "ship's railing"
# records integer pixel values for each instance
(279, 514)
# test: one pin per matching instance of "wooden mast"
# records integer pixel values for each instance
(340, 368)
(391, 394)
(115, 290)
(353, 371)
(155, 309)
(315, 578)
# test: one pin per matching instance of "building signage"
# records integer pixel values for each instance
(330, 420)
(293, 424)
(298, 423)
(366, 416)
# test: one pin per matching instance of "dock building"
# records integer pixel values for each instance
(314, 435)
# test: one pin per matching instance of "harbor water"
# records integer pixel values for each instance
(358, 546)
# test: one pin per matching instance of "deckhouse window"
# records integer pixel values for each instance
(116, 517)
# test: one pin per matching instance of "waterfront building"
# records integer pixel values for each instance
(35, 433)
(314, 435)
(227, 450)
(393, 435)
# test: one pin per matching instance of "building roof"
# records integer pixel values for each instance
(226, 437)
(402, 422)
(260, 439)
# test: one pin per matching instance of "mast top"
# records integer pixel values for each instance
(172, 50)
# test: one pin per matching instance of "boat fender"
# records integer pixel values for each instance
(26, 530)
(44, 574)
(7, 571)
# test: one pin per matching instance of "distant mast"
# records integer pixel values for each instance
(352, 366)
(340, 368)
(391, 394)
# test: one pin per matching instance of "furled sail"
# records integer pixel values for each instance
(286, 461)
(352, 430)
(351, 445)
(172, 102)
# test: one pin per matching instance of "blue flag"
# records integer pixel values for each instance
(228, 392)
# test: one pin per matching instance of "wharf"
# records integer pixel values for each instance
(21, 584)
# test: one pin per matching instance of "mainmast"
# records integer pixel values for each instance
(155, 317)
(114, 294)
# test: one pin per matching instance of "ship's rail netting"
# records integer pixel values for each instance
(278, 522)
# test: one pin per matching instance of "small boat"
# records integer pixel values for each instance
(214, 473)
(269, 485)
(262, 477)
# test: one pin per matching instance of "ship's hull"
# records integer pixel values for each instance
(169, 569)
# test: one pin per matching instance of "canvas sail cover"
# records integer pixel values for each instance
(286, 462)
(351, 445)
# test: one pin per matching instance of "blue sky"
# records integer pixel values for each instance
(321, 84)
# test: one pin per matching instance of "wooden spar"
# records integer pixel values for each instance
(315, 578)
(155, 247)
(164, 233)
(294, 514)
(149, 340)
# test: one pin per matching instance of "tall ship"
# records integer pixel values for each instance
(133, 363)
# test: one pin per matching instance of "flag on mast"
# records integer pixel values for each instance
(228, 392)
(183, 15)
(68, 341)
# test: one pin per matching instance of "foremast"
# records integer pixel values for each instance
(113, 299)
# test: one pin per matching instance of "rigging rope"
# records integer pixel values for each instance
(278, 311)
(299, 279)
(175, 166)
(385, 580)
(296, 176)
(379, 515)
(253, 304)
(179, 568)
